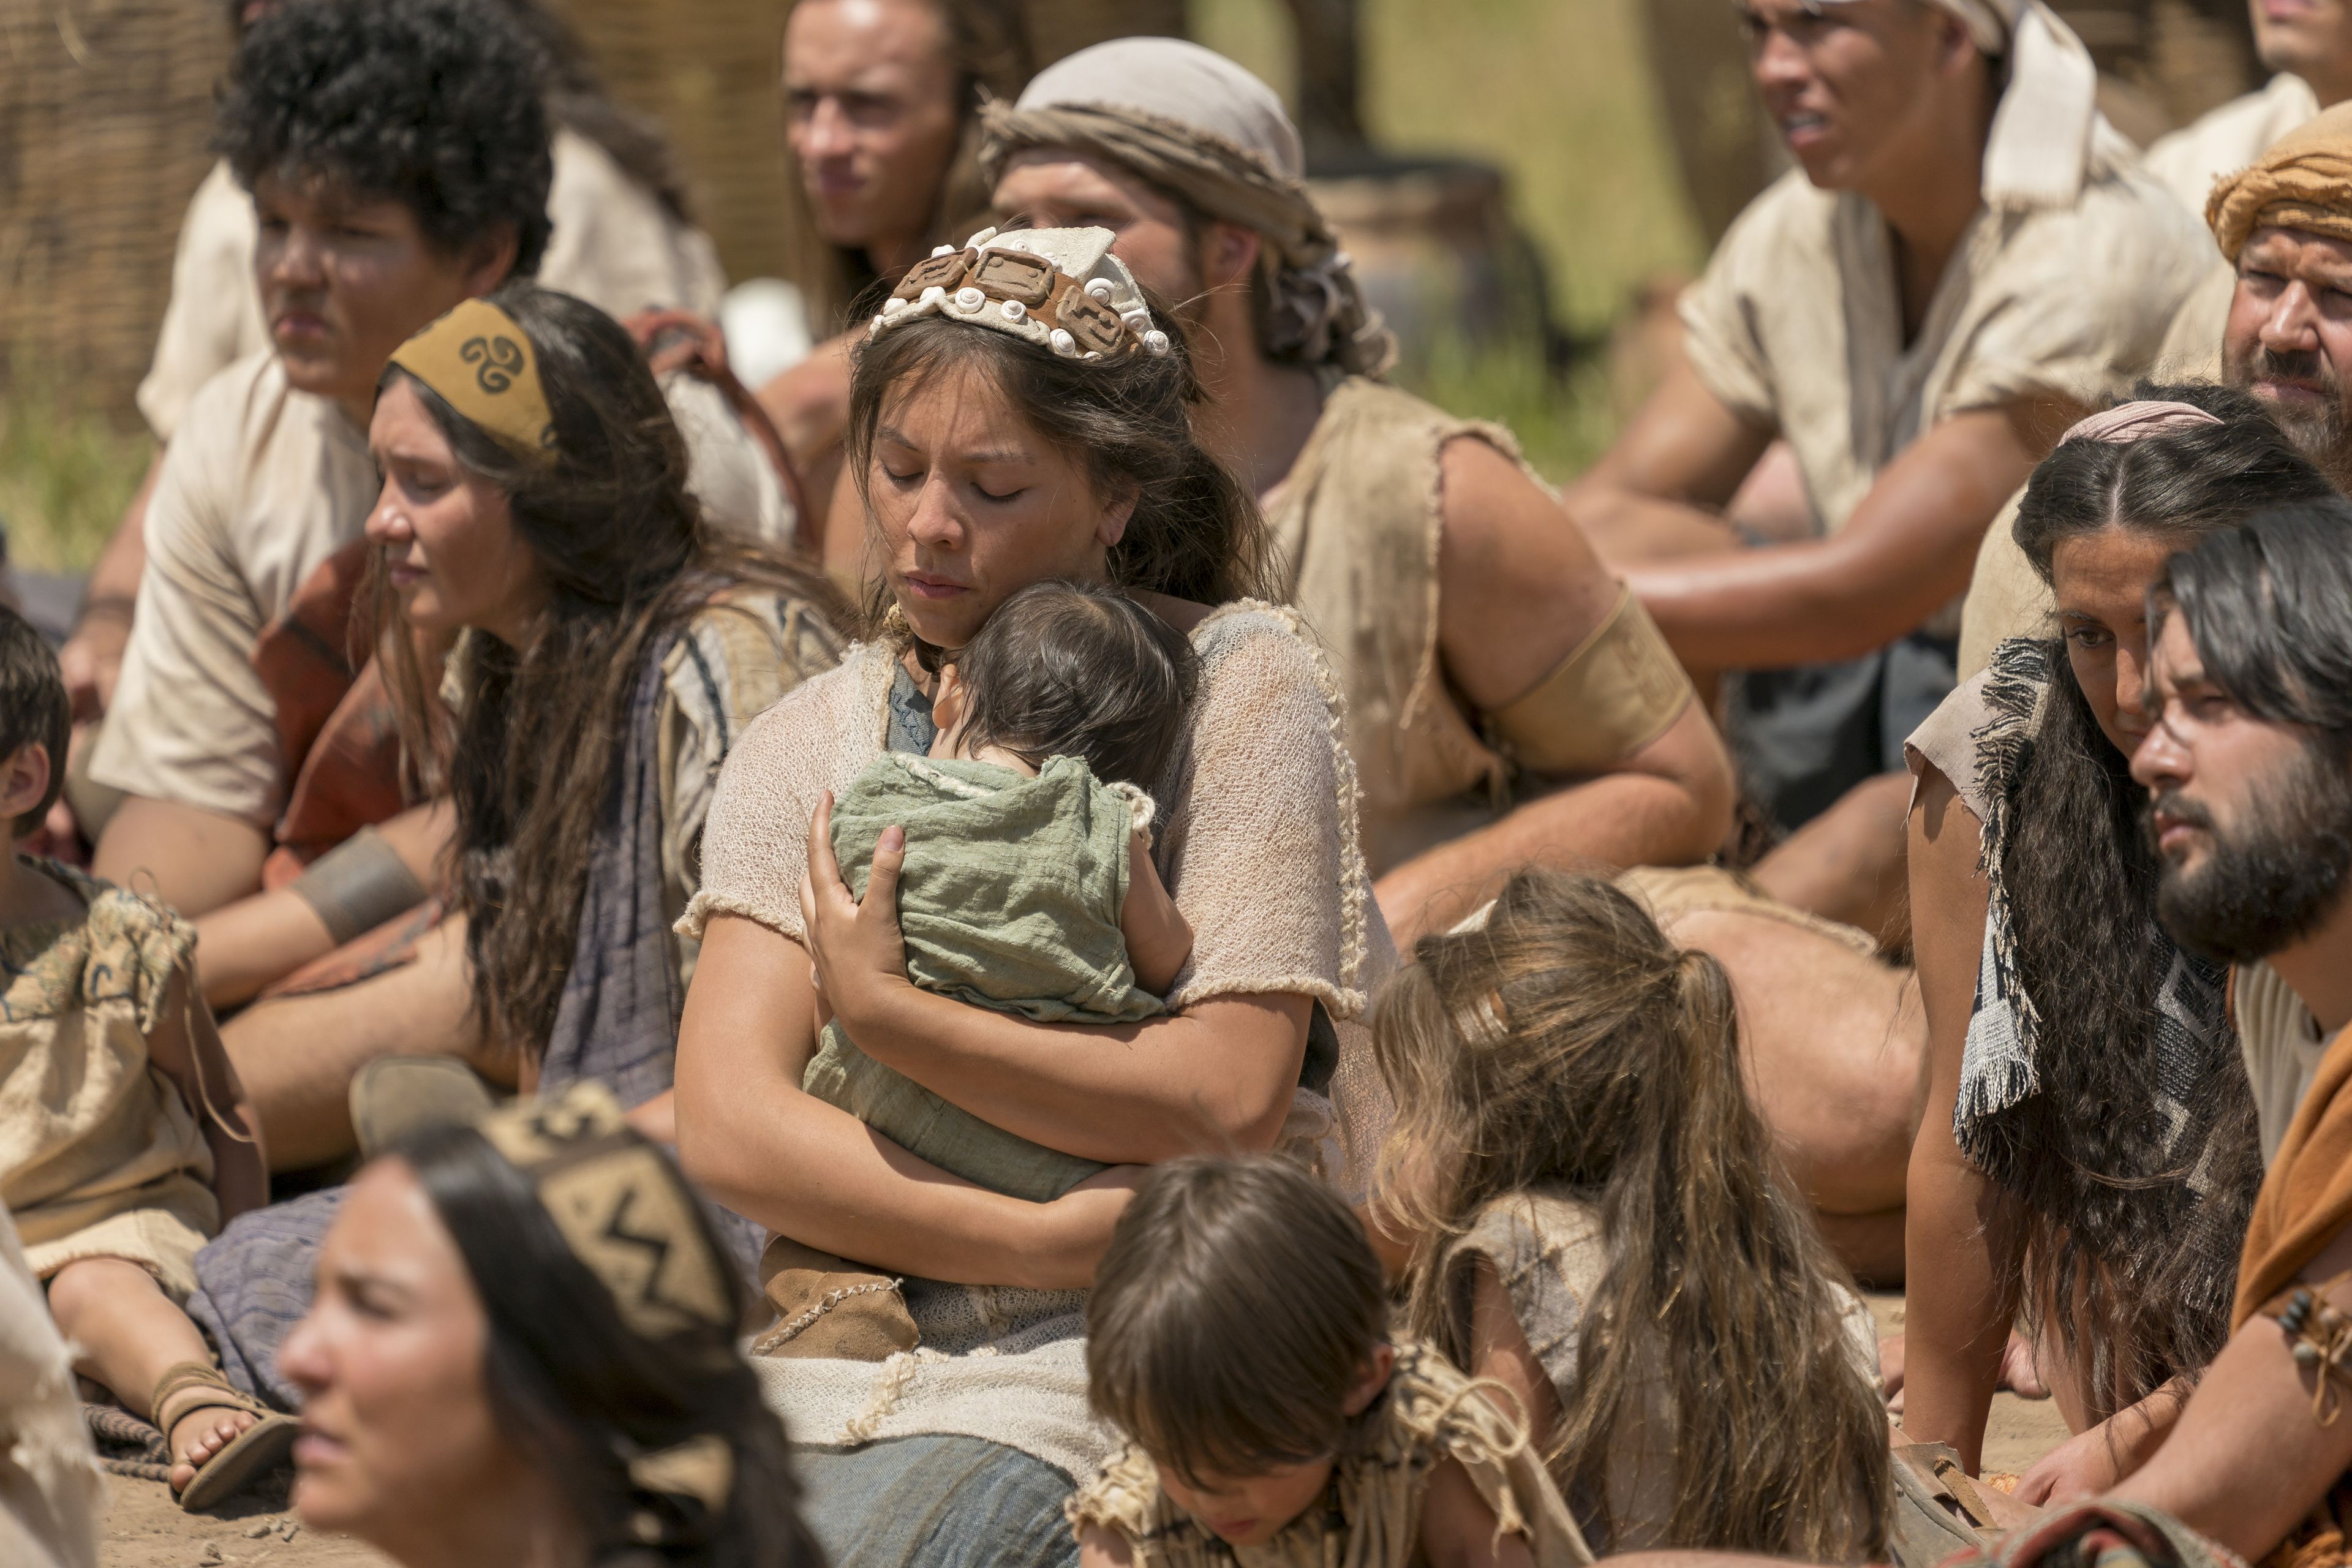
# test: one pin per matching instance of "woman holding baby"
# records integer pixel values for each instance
(1021, 417)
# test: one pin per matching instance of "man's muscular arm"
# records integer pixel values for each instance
(1656, 493)
(1519, 591)
(1909, 547)
(2250, 1457)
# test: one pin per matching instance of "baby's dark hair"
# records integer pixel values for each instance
(34, 707)
(1232, 1315)
(1078, 670)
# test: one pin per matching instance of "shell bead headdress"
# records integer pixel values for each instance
(1059, 288)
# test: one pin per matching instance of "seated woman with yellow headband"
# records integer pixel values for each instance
(609, 650)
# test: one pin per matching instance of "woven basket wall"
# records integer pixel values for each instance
(708, 70)
(105, 112)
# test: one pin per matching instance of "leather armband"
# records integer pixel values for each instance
(1615, 694)
(358, 885)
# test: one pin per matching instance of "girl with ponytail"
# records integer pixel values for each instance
(1602, 1227)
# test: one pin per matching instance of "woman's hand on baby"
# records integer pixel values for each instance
(858, 950)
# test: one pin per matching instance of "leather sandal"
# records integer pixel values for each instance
(191, 1386)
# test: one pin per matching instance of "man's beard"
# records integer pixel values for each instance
(2271, 881)
(2317, 432)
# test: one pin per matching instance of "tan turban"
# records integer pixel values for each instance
(2039, 151)
(1190, 121)
(2304, 181)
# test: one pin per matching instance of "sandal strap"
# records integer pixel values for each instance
(192, 1386)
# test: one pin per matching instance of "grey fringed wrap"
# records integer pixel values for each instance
(1192, 123)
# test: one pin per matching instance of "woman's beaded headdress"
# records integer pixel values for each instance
(1059, 288)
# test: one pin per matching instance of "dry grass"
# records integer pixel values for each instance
(66, 472)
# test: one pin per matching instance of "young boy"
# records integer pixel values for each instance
(123, 1133)
(1238, 1334)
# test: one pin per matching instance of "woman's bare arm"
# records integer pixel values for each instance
(1961, 1294)
(750, 1135)
(1216, 1077)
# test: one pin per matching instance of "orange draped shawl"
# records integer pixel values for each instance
(2306, 1196)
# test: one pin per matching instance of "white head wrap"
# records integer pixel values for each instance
(2039, 153)
(1190, 121)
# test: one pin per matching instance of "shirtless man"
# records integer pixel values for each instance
(881, 99)
(1956, 269)
(2250, 767)
(1478, 641)
(2285, 242)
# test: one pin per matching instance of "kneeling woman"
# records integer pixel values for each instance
(611, 649)
(2088, 1155)
(998, 444)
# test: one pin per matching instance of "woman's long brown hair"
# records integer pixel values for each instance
(627, 557)
(1568, 1043)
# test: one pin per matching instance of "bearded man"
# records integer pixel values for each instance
(1965, 260)
(2284, 227)
(2249, 766)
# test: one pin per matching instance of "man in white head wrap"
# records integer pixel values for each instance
(1508, 701)
(1966, 258)
(1448, 588)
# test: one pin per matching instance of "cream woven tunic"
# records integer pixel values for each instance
(1797, 324)
(615, 246)
(1257, 845)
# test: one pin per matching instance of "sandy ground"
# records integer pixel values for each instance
(2019, 1431)
(145, 1529)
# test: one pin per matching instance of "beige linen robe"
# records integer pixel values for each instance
(2226, 139)
(614, 244)
(51, 1493)
(1356, 524)
(99, 1155)
(1798, 327)
(1257, 842)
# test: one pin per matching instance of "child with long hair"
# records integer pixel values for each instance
(1601, 1227)
(1238, 1335)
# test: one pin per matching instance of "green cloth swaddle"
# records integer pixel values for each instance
(1010, 899)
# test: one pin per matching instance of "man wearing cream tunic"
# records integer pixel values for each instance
(1966, 258)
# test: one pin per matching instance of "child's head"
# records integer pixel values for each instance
(1547, 1045)
(1070, 669)
(1238, 1323)
(35, 720)
(1567, 1042)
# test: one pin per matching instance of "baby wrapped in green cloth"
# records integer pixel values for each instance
(1028, 884)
